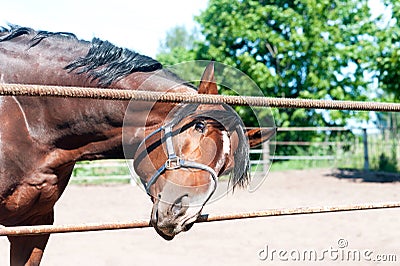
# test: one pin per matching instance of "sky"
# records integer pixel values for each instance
(137, 25)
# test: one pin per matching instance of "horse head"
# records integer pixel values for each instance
(180, 162)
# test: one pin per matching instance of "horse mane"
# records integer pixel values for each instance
(15, 31)
(107, 63)
(104, 61)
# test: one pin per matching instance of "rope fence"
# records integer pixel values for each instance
(52, 229)
(119, 94)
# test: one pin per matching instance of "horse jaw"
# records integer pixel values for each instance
(176, 208)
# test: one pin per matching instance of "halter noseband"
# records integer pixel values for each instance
(175, 162)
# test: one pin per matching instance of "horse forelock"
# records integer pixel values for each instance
(231, 122)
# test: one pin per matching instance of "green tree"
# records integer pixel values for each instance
(177, 46)
(299, 49)
(388, 61)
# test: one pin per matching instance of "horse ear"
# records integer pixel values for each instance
(207, 83)
(259, 135)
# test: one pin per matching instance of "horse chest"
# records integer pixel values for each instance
(35, 196)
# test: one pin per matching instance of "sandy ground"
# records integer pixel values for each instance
(369, 233)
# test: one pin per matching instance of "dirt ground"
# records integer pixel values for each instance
(335, 238)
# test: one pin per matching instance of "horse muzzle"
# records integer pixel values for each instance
(170, 219)
(188, 186)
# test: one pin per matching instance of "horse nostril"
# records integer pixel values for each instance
(180, 205)
(188, 226)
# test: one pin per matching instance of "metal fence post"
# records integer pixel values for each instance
(265, 157)
(366, 157)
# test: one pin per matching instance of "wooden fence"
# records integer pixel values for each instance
(363, 151)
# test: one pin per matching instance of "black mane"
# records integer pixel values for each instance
(107, 63)
(104, 62)
(15, 31)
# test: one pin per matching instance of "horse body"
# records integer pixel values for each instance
(41, 138)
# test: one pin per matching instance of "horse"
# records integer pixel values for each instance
(179, 150)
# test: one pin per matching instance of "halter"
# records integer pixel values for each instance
(174, 162)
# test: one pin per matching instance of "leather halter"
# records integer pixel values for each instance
(175, 162)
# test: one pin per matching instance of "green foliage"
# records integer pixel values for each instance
(325, 49)
(297, 49)
(388, 61)
(178, 36)
(100, 172)
(387, 164)
(177, 46)
(175, 56)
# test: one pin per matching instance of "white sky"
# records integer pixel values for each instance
(138, 25)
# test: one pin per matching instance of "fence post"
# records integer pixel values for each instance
(265, 157)
(366, 157)
(339, 150)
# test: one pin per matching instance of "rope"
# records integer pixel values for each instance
(52, 229)
(117, 94)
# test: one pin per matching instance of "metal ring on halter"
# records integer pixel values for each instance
(174, 162)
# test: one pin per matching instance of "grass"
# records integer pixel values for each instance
(99, 180)
(300, 165)
(101, 172)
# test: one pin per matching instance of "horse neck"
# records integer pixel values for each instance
(42, 64)
(87, 128)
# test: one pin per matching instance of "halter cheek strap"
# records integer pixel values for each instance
(174, 162)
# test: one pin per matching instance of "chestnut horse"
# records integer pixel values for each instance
(178, 157)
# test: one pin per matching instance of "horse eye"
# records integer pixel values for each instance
(200, 127)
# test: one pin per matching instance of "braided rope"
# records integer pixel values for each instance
(52, 229)
(117, 94)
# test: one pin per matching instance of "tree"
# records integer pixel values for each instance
(388, 61)
(297, 49)
(177, 46)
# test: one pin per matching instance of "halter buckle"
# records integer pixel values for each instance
(173, 163)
